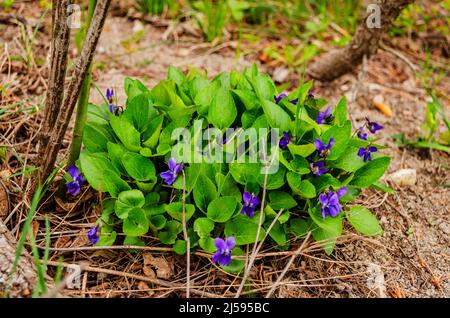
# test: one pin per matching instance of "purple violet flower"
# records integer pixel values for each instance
(74, 186)
(113, 109)
(318, 168)
(279, 97)
(322, 149)
(310, 95)
(93, 235)
(373, 126)
(224, 248)
(330, 202)
(325, 117)
(283, 95)
(250, 203)
(285, 140)
(110, 95)
(361, 134)
(171, 175)
(365, 153)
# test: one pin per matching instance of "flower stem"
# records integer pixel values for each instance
(83, 101)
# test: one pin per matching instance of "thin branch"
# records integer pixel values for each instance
(58, 66)
(288, 265)
(154, 281)
(73, 90)
(253, 255)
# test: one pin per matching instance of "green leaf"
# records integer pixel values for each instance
(301, 150)
(244, 230)
(151, 135)
(127, 201)
(326, 238)
(341, 135)
(331, 225)
(96, 137)
(364, 221)
(278, 234)
(115, 152)
(134, 87)
(300, 165)
(245, 172)
(281, 200)
(385, 188)
(158, 221)
(175, 210)
(138, 167)
(139, 112)
(170, 233)
(176, 75)
(227, 186)
(340, 114)
(221, 209)
(203, 226)
(133, 241)
(125, 131)
(301, 187)
(370, 173)
(325, 181)
(264, 87)
(107, 238)
(276, 116)
(222, 111)
(236, 265)
(136, 223)
(180, 247)
(274, 180)
(207, 244)
(204, 192)
(248, 98)
(349, 161)
(94, 167)
(192, 174)
(299, 227)
(114, 183)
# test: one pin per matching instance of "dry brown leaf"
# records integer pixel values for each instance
(163, 268)
(62, 242)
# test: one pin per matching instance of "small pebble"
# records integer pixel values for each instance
(404, 177)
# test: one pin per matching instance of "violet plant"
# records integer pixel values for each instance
(322, 169)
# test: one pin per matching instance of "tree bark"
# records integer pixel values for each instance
(365, 42)
(58, 66)
(25, 278)
(73, 90)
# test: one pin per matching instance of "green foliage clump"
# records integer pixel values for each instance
(126, 151)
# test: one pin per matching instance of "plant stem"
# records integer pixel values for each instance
(188, 242)
(83, 102)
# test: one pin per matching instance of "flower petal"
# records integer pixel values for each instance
(342, 191)
(319, 145)
(361, 152)
(254, 201)
(220, 244)
(178, 168)
(230, 242)
(73, 187)
(172, 163)
(330, 143)
(247, 196)
(73, 171)
(323, 198)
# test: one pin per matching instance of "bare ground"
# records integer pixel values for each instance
(411, 259)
